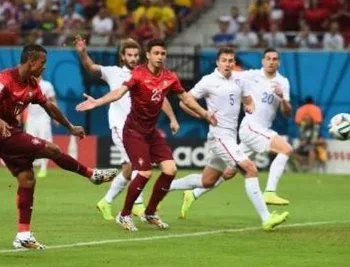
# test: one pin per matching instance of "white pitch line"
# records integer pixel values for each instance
(160, 237)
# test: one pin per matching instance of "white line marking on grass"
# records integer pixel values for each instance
(160, 237)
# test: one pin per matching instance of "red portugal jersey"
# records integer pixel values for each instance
(147, 92)
(16, 95)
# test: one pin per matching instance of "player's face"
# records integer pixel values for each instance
(37, 66)
(131, 57)
(271, 62)
(225, 64)
(157, 56)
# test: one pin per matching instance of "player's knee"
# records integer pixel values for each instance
(288, 150)
(146, 174)
(53, 149)
(26, 179)
(208, 183)
(127, 170)
(250, 170)
(170, 170)
(229, 173)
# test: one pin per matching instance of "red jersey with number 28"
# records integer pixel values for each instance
(147, 92)
(16, 95)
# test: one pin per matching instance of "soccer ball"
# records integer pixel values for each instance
(339, 126)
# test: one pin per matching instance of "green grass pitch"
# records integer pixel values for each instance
(228, 234)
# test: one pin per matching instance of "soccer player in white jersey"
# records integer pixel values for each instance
(38, 122)
(129, 53)
(271, 92)
(224, 93)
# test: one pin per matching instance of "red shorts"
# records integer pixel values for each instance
(19, 150)
(144, 150)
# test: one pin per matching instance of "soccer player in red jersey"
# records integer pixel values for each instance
(19, 87)
(148, 86)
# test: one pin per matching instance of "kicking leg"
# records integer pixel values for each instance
(283, 150)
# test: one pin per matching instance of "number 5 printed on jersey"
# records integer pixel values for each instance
(267, 98)
(232, 99)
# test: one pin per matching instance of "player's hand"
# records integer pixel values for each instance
(80, 44)
(278, 91)
(174, 127)
(77, 131)
(89, 103)
(249, 109)
(5, 129)
(210, 117)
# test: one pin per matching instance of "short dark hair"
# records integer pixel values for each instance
(31, 52)
(155, 42)
(269, 50)
(224, 50)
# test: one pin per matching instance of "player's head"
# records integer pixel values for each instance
(225, 60)
(156, 53)
(129, 52)
(271, 60)
(34, 57)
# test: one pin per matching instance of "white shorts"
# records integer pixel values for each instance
(117, 137)
(224, 153)
(40, 129)
(255, 139)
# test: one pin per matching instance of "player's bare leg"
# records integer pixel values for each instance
(66, 162)
(160, 189)
(25, 198)
(283, 150)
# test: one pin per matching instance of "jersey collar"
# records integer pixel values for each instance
(218, 74)
(126, 69)
(263, 74)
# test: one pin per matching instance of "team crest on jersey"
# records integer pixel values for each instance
(1, 87)
(165, 83)
(36, 141)
(30, 95)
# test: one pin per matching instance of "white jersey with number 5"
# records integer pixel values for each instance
(118, 110)
(223, 96)
(266, 101)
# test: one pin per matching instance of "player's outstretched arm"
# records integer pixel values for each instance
(248, 104)
(89, 65)
(190, 102)
(55, 113)
(91, 103)
(168, 110)
(189, 111)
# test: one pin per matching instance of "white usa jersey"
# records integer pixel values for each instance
(266, 101)
(35, 111)
(223, 96)
(118, 110)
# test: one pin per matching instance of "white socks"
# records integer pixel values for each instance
(43, 164)
(253, 191)
(117, 186)
(190, 181)
(276, 171)
(197, 192)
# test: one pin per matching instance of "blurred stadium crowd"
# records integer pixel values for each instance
(305, 24)
(103, 22)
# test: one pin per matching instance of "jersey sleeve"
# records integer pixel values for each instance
(133, 81)
(177, 86)
(107, 72)
(286, 90)
(200, 90)
(50, 90)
